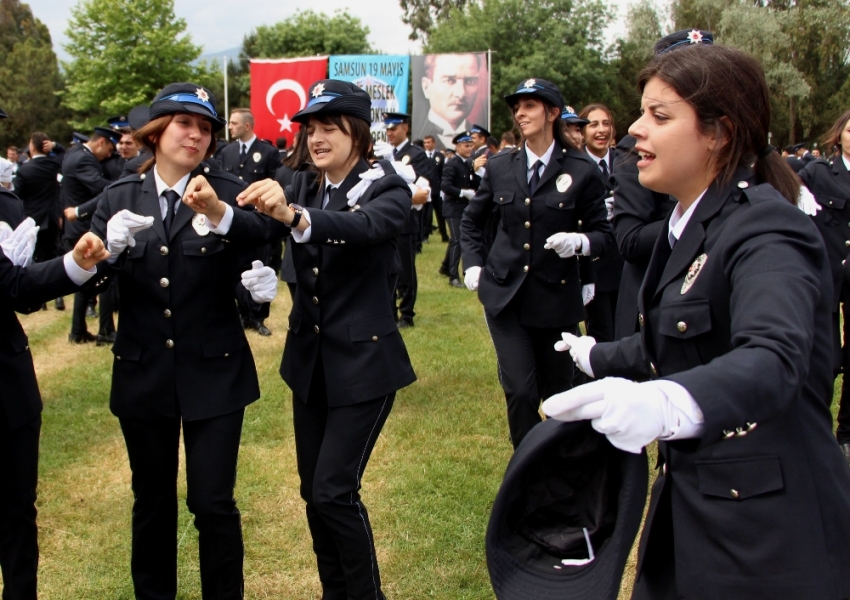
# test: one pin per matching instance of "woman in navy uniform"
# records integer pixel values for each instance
(529, 282)
(344, 357)
(731, 370)
(181, 356)
(830, 185)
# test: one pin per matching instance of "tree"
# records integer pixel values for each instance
(424, 15)
(30, 75)
(557, 40)
(124, 52)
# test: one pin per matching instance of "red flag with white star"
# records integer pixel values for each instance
(279, 90)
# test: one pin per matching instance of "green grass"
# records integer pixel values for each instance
(429, 486)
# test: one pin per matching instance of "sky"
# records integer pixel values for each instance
(221, 24)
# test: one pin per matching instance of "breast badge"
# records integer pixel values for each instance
(199, 224)
(693, 271)
(257, 156)
(563, 182)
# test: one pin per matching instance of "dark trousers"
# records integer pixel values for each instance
(452, 259)
(108, 305)
(333, 445)
(441, 222)
(530, 369)
(18, 533)
(407, 283)
(842, 364)
(212, 448)
(601, 313)
(46, 244)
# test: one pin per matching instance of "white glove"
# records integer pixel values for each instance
(468, 194)
(121, 229)
(261, 282)
(471, 277)
(5, 230)
(565, 244)
(405, 171)
(629, 414)
(609, 206)
(579, 348)
(19, 245)
(588, 292)
(807, 203)
(382, 149)
(367, 177)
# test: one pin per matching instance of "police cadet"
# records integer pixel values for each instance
(24, 290)
(251, 159)
(436, 204)
(529, 282)
(181, 356)
(458, 186)
(398, 127)
(82, 180)
(732, 369)
(344, 357)
(830, 184)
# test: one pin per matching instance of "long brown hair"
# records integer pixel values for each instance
(149, 135)
(832, 138)
(727, 89)
(559, 131)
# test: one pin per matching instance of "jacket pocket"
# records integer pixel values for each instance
(137, 251)
(206, 245)
(561, 201)
(833, 202)
(498, 271)
(223, 346)
(371, 330)
(740, 478)
(684, 320)
(126, 349)
(19, 340)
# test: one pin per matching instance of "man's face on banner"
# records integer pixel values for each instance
(453, 86)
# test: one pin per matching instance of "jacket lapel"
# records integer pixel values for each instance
(554, 166)
(519, 164)
(150, 205)
(840, 170)
(185, 214)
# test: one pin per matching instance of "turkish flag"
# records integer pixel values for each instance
(279, 90)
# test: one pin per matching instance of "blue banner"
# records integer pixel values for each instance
(385, 79)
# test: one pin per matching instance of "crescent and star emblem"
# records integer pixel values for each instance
(288, 85)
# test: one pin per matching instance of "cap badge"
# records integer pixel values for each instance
(199, 224)
(693, 271)
(318, 90)
(563, 182)
(570, 109)
(530, 83)
(202, 94)
(694, 36)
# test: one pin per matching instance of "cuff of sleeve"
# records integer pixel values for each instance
(226, 222)
(480, 172)
(75, 272)
(585, 245)
(302, 237)
(686, 418)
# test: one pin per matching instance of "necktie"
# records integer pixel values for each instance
(243, 156)
(171, 198)
(331, 190)
(395, 152)
(604, 166)
(535, 177)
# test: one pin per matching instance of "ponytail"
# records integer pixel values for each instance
(773, 169)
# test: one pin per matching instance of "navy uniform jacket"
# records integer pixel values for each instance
(457, 176)
(346, 274)
(830, 185)
(11, 208)
(261, 163)
(82, 180)
(760, 504)
(113, 167)
(436, 178)
(180, 348)
(547, 286)
(639, 216)
(36, 184)
(608, 268)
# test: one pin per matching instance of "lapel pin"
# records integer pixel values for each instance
(693, 271)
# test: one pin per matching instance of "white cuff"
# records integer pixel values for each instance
(223, 226)
(302, 237)
(685, 414)
(585, 245)
(480, 172)
(75, 272)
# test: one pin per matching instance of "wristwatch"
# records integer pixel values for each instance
(297, 218)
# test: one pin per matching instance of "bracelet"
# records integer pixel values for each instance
(297, 218)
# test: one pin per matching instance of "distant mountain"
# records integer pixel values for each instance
(230, 53)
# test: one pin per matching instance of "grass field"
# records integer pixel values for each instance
(429, 486)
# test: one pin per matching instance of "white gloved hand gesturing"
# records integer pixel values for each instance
(564, 244)
(579, 348)
(807, 203)
(609, 206)
(261, 282)
(629, 414)
(19, 245)
(588, 292)
(122, 228)
(468, 194)
(471, 277)
(382, 149)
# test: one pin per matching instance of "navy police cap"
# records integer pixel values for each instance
(186, 97)
(479, 130)
(391, 119)
(118, 122)
(545, 90)
(682, 39)
(569, 116)
(799, 146)
(331, 96)
(463, 136)
(108, 133)
(138, 116)
(79, 138)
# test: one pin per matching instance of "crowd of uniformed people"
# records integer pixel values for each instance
(676, 285)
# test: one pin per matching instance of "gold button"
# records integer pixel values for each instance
(206, 169)
(142, 176)
(527, 224)
(163, 282)
(164, 250)
(682, 326)
(735, 493)
(117, 358)
(315, 300)
(563, 281)
(640, 319)
(743, 185)
(525, 268)
(166, 313)
(847, 243)
(528, 201)
(526, 246)
(560, 205)
(240, 177)
(316, 328)
(374, 338)
(169, 343)
(227, 355)
(204, 250)
(315, 271)
(664, 469)
(579, 223)
(653, 370)
(728, 435)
